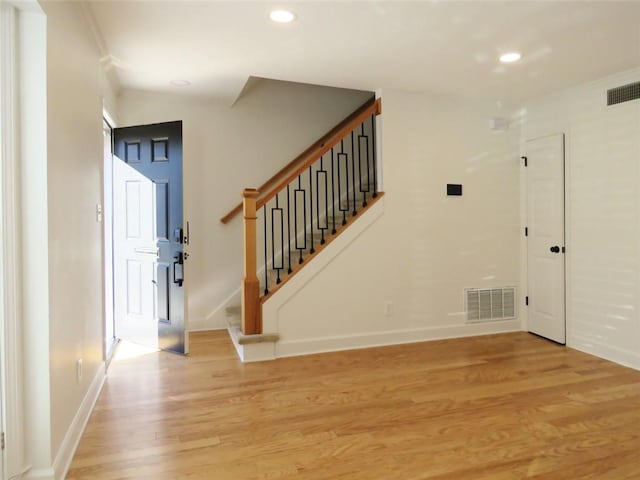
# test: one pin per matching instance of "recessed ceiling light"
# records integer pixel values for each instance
(510, 57)
(180, 83)
(282, 16)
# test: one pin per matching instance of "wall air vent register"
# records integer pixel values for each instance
(488, 304)
(622, 94)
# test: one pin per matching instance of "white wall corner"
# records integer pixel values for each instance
(596, 137)
(218, 319)
(603, 350)
(65, 454)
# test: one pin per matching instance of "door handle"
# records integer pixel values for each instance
(179, 260)
(152, 251)
(555, 249)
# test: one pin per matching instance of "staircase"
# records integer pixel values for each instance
(291, 219)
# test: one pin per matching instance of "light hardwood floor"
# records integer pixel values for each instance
(499, 407)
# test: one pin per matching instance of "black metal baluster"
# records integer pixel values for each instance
(353, 174)
(281, 242)
(375, 166)
(275, 266)
(312, 250)
(289, 228)
(300, 193)
(266, 270)
(366, 147)
(363, 144)
(342, 155)
(322, 173)
(333, 195)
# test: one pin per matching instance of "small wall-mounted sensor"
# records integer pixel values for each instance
(454, 189)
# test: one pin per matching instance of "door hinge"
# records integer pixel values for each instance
(526, 231)
(2, 441)
(525, 160)
(526, 300)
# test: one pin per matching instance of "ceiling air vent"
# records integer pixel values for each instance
(625, 93)
(487, 304)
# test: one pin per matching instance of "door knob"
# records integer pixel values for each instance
(555, 249)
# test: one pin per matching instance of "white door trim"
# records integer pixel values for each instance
(10, 275)
(109, 344)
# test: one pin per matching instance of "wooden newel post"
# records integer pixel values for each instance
(251, 312)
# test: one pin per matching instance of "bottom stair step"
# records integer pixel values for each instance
(234, 324)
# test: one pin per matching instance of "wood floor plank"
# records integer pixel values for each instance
(499, 407)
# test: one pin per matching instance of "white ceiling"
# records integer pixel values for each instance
(446, 47)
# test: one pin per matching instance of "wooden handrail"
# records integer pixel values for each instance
(368, 106)
(374, 109)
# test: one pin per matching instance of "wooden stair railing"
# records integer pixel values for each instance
(309, 152)
(308, 204)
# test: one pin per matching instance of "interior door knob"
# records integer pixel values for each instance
(555, 249)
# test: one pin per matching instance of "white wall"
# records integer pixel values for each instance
(225, 150)
(425, 247)
(603, 213)
(74, 180)
(61, 158)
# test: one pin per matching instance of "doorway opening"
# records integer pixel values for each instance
(144, 263)
(110, 339)
(546, 237)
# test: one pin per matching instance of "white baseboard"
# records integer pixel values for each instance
(214, 322)
(608, 352)
(39, 474)
(293, 348)
(63, 459)
(207, 329)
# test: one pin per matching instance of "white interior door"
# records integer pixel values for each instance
(135, 255)
(545, 246)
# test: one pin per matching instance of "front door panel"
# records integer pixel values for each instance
(155, 153)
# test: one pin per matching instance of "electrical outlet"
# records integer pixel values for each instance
(79, 370)
(388, 308)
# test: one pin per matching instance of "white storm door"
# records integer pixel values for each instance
(545, 246)
(135, 255)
